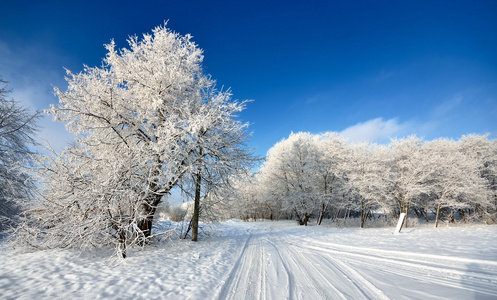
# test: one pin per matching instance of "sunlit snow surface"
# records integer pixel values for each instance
(270, 260)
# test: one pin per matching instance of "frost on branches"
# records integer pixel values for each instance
(17, 129)
(322, 176)
(300, 178)
(144, 120)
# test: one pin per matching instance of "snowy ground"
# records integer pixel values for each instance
(271, 260)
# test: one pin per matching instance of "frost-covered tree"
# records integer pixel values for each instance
(17, 131)
(330, 166)
(411, 173)
(269, 192)
(241, 198)
(291, 170)
(455, 180)
(145, 119)
(220, 155)
(250, 199)
(368, 174)
(484, 152)
(309, 175)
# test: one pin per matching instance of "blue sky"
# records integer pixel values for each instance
(369, 69)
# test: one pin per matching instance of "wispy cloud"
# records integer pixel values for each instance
(448, 106)
(375, 130)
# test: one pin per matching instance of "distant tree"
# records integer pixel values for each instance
(368, 175)
(411, 172)
(146, 119)
(290, 169)
(267, 191)
(455, 180)
(17, 130)
(330, 166)
(484, 152)
(306, 176)
(241, 198)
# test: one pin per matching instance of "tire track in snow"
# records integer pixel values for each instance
(317, 278)
(447, 271)
(258, 273)
(428, 259)
(233, 278)
(366, 287)
(343, 281)
(271, 265)
(268, 267)
(288, 273)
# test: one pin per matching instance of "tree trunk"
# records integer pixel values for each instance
(145, 224)
(188, 229)
(337, 215)
(299, 219)
(407, 212)
(150, 204)
(196, 206)
(321, 214)
(323, 206)
(438, 212)
(363, 213)
(122, 242)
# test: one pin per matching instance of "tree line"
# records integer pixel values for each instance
(322, 176)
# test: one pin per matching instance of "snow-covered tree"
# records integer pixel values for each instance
(309, 175)
(411, 173)
(221, 153)
(17, 130)
(250, 199)
(455, 179)
(330, 166)
(290, 169)
(484, 152)
(145, 119)
(269, 192)
(368, 174)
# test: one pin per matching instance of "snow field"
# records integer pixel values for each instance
(270, 260)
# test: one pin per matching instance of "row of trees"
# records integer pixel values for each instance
(315, 176)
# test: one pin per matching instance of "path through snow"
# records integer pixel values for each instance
(275, 264)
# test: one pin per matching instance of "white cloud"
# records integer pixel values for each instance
(375, 130)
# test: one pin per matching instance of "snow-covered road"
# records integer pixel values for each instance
(270, 260)
(270, 267)
(275, 265)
